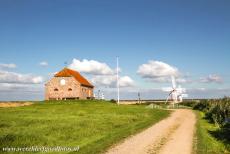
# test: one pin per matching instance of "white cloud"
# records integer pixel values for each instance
(37, 79)
(43, 63)
(211, 78)
(111, 81)
(126, 81)
(157, 71)
(91, 67)
(101, 74)
(7, 66)
(104, 80)
(12, 86)
(184, 80)
(16, 86)
(12, 77)
(17, 92)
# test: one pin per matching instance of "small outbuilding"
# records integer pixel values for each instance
(68, 84)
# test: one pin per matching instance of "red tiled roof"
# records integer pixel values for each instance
(66, 72)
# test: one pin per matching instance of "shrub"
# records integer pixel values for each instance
(188, 103)
(216, 110)
(113, 101)
(202, 105)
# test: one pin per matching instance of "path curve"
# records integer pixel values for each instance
(172, 135)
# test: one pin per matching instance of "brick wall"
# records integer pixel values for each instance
(71, 89)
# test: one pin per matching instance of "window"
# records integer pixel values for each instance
(62, 82)
(70, 89)
(55, 89)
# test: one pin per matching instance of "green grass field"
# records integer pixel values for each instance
(91, 125)
(206, 143)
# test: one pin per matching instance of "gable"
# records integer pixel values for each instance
(71, 73)
(56, 81)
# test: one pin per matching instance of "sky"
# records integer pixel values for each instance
(154, 40)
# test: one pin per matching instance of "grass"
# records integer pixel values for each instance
(92, 125)
(206, 143)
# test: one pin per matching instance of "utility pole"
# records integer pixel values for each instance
(139, 97)
(98, 95)
(118, 90)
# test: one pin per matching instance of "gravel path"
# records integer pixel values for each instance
(172, 135)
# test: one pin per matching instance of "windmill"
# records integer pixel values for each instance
(176, 94)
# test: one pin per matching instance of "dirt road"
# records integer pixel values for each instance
(173, 135)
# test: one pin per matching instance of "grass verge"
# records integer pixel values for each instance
(205, 142)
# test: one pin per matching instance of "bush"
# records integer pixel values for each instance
(216, 110)
(202, 105)
(113, 101)
(188, 103)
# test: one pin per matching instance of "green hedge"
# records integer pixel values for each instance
(216, 110)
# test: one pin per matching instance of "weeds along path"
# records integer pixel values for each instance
(172, 135)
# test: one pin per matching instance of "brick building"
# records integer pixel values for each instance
(68, 84)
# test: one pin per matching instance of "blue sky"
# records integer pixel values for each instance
(192, 36)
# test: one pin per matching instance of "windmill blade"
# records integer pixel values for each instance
(171, 92)
(169, 95)
(167, 89)
(173, 82)
(167, 99)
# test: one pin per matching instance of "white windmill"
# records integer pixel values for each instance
(176, 94)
